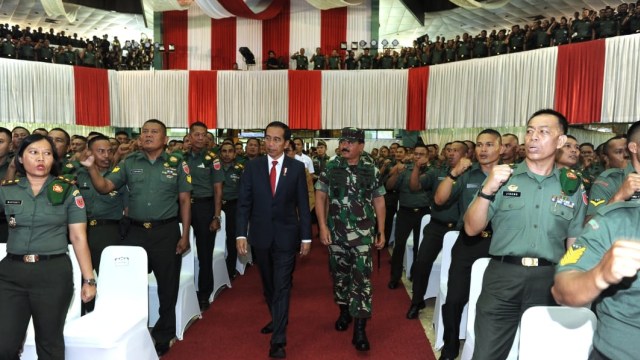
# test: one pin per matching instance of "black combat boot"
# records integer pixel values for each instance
(360, 340)
(344, 319)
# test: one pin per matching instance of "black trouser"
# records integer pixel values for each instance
(507, 291)
(104, 233)
(160, 244)
(427, 254)
(391, 204)
(464, 253)
(276, 269)
(407, 220)
(229, 208)
(43, 290)
(202, 213)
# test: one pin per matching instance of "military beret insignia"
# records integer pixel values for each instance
(69, 165)
(173, 159)
(57, 188)
(569, 181)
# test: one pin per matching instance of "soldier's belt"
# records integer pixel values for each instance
(449, 225)
(415, 210)
(99, 222)
(523, 261)
(152, 224)
(201, 199)
(33, 258)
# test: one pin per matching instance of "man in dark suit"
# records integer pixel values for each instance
(273, 213)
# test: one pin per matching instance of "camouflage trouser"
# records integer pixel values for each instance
(351, 271)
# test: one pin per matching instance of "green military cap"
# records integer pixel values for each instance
(352, 134)
(320, 142)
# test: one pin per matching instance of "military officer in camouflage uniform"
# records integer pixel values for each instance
(351, 187)
(534, 208)
(232, 170)
(206, 204)
(159, 190)
(616, 184)
(603, 265)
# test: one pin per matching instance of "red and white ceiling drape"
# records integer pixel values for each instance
(206, 42)
(590, 82)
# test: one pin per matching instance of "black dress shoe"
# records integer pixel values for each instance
(277, 351)
(414, 310)
(393, 284)
(267, 329)
(446, 357)
(162, 348)
(204, 304)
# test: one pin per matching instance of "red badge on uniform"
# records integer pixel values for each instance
(585, 198)
(57, 188)
(216, 164)
(185, 168)
(79, 202)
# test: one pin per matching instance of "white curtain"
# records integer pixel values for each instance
(359, 23)
(213, 9)
(161, 95)
(163, 5)
(620, 99)
(114, 98)
(33, 92)
(331, 4)
(55, 8)
(491, 92)
(250, 100)
(304, 29)
(366, 99)
(199, 39)
(249, 34)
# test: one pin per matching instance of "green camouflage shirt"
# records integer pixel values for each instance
(351, 190)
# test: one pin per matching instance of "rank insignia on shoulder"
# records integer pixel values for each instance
(573, 254)
(10, 182)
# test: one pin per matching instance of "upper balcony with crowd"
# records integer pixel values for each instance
(60, 48)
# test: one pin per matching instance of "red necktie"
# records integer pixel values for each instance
(272, 177)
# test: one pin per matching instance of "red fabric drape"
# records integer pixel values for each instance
(275, 35)
(333, 29)
(203, 97)
(240, 9)
(174, 26)
(579, 81)
(417, 98)
(92, 96)
(223, 43)
(305, 99)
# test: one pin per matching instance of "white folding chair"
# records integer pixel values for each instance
(408, 252)
(187, 306)
(243, 260)
(477, 274)
(75, 308)
(546, 331)
(392, 236)
(3, 250)
(220, 272)
(433, 286)
(449, 240)
(117, 327)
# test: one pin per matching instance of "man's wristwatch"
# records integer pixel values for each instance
(486, 196)
(454, 178)
(90, 282)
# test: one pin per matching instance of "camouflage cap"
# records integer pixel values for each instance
(352, 134)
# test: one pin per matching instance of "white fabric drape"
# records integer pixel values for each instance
(357, 98)
(249, 34)
(56, 8)
(332, 4)
(359, 23)
(163, 5)
(36, 92)
(304, 29)
(621, 80)
(251, 100)
(213, 9)
(491, 92)
(114, 98)
(199, 39)
(161, 95)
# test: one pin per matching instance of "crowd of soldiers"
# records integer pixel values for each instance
(494, 175)
(59, 48)
(541, 33)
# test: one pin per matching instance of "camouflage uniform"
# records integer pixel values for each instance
(350, 191)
